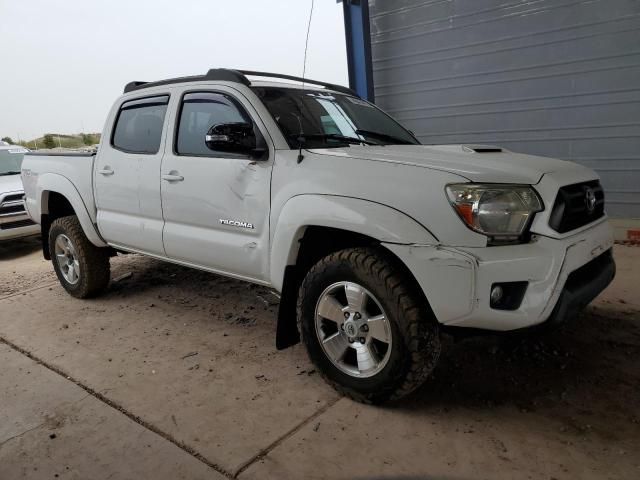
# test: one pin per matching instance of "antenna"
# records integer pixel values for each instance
(304, 71)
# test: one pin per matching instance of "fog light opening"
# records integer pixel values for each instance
(507, 295)
(496, 295)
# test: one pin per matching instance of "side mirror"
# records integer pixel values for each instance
(236, 137)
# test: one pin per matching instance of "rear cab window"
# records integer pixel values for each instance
(138, 126)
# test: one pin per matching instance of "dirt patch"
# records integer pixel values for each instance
(22, 266)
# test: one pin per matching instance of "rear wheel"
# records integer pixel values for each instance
(366, 328)
(82, 268)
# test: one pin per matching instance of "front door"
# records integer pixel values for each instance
(127, 176)
(215, 204)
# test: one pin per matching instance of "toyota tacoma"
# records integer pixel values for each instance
(376, 243)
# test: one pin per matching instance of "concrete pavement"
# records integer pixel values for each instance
(52, 428)
(173, 374)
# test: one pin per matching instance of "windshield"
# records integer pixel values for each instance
(329, 119)
(11, 161)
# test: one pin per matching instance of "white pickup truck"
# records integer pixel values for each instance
(376, 243)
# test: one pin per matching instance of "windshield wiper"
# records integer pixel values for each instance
(384, 136)
(334, 136)
(9, 173)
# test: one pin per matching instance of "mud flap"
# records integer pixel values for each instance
(287, 333)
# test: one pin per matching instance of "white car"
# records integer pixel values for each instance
(376, 243)
(14, 219)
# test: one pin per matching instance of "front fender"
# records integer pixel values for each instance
(51, 182)
(372, 219)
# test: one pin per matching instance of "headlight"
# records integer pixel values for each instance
(496, 210)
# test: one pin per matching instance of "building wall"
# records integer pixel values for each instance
(558, 78)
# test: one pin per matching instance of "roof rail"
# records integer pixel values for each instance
(332, 86)
(222, 74)
(237, 76)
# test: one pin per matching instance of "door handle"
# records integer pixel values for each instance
(106, 171)
(173, 177)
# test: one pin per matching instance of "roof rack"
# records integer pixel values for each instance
(222, 74)
(237, 76)
(332, 86)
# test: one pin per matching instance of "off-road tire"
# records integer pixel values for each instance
(94, 261)
(416, 337)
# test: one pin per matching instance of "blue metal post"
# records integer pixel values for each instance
(358, 39)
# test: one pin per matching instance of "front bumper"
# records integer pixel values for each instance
(583, 285)
(457, 281)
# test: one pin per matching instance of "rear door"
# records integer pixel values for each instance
(215, 204)
(127, 176)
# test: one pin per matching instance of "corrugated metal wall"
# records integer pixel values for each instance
(559, 78)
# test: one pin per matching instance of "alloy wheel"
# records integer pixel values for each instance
(67, 259)
(353, 329)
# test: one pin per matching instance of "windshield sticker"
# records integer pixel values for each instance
(359, 101)
(321, 96)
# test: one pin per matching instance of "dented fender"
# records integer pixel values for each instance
(372, 219)
(446, 276)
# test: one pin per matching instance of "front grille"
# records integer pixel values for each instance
(571, 208)
(13, 203)
(12, 209)
(16, 224)
(13, 198)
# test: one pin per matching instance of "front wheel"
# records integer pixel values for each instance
(82, 268)
(366, 327)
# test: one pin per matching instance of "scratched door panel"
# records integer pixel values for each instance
(215, 205)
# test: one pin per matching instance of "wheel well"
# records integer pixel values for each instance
(315, 244)
(318, 242)
(56, 205)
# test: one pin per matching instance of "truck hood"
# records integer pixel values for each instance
(468, 161)
(10, 183)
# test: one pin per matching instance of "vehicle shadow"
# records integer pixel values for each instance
(13, 249)
(136, 275)
(133, 274)
(589, 368)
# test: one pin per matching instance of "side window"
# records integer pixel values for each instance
(200, 111)
(139, 124)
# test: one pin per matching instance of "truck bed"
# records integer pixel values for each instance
(74, 167)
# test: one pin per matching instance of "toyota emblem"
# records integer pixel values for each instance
(590, 199)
